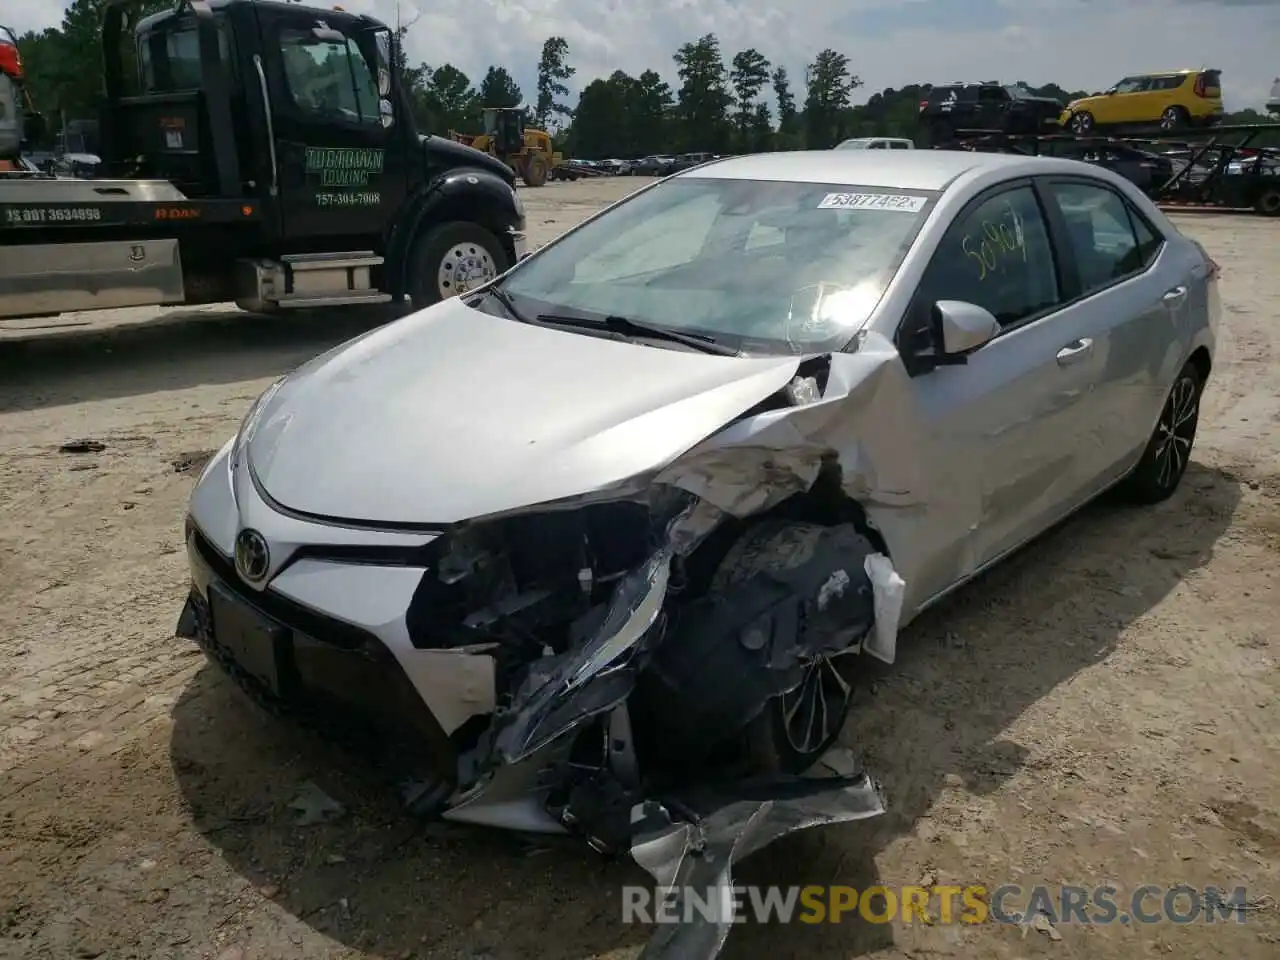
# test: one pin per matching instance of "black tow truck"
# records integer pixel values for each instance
(260, 152)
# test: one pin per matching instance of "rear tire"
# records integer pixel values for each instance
(1175, 118)
(451, 259)
(1168, 452)
(1268, 202)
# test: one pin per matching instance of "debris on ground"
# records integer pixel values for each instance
(313, 806)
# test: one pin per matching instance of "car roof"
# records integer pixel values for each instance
(904, 169)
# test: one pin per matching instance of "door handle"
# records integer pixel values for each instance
(1175, 296)
(1075, 351)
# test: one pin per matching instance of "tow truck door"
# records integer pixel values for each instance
(341, 159)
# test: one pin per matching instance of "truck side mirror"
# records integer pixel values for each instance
(382, 42)
(386, 113)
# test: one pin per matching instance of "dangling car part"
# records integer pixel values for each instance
(599, 548)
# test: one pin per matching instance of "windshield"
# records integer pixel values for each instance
(763, 266)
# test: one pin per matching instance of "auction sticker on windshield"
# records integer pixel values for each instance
(872, 201)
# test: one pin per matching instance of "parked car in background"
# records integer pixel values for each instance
(615, 168)
(1170, 101)
(78, 166)
(876, 143)
(1146, 170)
(686, 160)
(1261, 162)
(1006, 108)
(651, 166)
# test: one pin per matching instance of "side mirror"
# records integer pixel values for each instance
(382, 42)
(386, 113)
(962, 328)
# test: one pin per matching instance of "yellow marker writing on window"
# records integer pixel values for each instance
(999, 241)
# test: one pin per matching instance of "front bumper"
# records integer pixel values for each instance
(293, 659)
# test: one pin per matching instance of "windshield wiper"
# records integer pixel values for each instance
(626, 327)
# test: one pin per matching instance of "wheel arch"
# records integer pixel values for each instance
(1202, 361)
(467, 195)
(825, 503)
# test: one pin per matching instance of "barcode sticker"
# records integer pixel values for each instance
(872, 201)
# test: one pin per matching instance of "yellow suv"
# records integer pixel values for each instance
(1171, 101)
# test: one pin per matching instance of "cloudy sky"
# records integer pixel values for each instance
(1080, 44)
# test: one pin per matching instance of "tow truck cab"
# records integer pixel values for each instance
(263, 152)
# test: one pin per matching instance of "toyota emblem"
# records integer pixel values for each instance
(253, 559)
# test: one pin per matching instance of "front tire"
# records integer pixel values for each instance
(451, 260)
(1081, 124)
(1168, 452)
(796, 728)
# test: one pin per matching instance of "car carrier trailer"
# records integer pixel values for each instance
(267, 156)
(1219, 167)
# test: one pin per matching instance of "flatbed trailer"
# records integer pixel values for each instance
(239, 172)
(1221, 168)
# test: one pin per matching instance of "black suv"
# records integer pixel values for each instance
(986, 106)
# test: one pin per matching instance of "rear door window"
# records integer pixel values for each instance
(169, 58)
(1110, 240)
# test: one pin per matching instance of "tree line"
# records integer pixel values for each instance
(739, 103)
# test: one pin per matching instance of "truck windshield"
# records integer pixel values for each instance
(169, 57)
(765, 266)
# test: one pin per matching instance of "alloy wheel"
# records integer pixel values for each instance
(814, 711)
(1176, 432)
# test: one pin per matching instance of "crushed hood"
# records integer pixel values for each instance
(452, 413)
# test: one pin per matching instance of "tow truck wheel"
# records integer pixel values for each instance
(1268, 202)
(452, 259)
(1081, 122)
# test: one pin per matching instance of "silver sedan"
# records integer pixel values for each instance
(599, 547)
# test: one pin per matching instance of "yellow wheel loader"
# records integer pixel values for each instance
(525, 150)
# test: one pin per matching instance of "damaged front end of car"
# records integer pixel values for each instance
(673, 662)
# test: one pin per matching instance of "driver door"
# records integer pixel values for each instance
(1006, 427)
(342, 167)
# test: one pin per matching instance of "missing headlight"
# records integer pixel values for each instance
(522, 580)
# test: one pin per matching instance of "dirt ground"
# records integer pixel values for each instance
(1103, 708)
